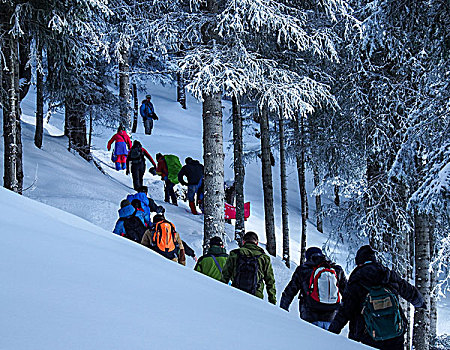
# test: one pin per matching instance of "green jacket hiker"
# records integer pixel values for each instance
(212, 263)
(239, 261)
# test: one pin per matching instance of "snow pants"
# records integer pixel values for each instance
(137, 172)
(148, 126)
(169, 192)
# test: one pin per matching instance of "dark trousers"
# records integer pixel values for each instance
(390, 344)
(138, 171)
(169, 192)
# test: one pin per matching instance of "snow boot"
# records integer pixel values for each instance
(192, 206)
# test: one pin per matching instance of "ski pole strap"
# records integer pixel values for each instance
(217, 263)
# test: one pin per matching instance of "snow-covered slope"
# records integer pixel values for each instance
(64, 180)
(68, 284)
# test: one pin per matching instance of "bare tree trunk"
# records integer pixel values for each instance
(75, 112)
(267, 182)
(24, 65)
(301, 171)
(90, 130)
(124, 87)
(10, 56)
(213, 157)
(136, 108)
(433, 301)
(319, 213)
(284, 190)
(422, 230)
(239, 170)
(39, 132)
(181, 91)
(337, 199)
(19, 154)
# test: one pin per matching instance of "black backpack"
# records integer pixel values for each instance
(134, 228)
(136, 155)
(246, 277)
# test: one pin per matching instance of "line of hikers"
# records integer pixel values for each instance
(368, 300)
(167, 166)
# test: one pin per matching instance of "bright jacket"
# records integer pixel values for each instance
(207, 265)
(126, 212)
(168, 167)
(147, 240)
(146, 110)
(123, 143)
(144, 154)
(147, 204)
(265, 271)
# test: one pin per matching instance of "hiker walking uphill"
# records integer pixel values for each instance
(373, 290)
(148, 114)
(148, 204)
(168, 168)
(193, 171)
(136, 157)
(121, 147)
(211, 264)
(131, 223)
(165, 240)
(249, 267)
(321, 284)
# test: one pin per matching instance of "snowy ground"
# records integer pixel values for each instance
(63, 180)
(67, 284)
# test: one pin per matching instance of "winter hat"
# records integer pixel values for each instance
(136, 203)
(158, 218)
(313, 251)
(158, 155)
(148, 96)
(365, 254)
(124, 203)
(143, 189)
(216, 241)
(188, 160)
(136, 144)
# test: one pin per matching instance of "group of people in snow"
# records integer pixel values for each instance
(368, 300)
(167, 166)
(157, 233)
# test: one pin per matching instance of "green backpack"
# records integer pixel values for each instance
(382, 314)
(173, 167)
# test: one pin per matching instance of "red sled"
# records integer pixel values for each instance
(230, 211)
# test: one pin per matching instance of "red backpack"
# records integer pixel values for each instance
(324, 287)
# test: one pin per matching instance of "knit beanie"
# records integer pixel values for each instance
(365, 254)
(216, 241)
(124, 203)
(313, 251)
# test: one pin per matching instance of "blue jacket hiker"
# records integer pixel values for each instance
(126, 211)
(147, 204)
(148, 114)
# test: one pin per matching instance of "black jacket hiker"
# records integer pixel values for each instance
(370, 274)
(299, 284)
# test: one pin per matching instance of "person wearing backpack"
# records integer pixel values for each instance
(131, 223)
(168, 168)
(319, 284)
(148, 114)
(193, 171)
(136, 157)
(165, 240)
(249, 267)
(121, 147)
(211, 264)
(371, 304)
(148, 204)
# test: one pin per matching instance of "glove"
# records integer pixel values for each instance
(195, 258)
(152, 170)
(160, 210)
